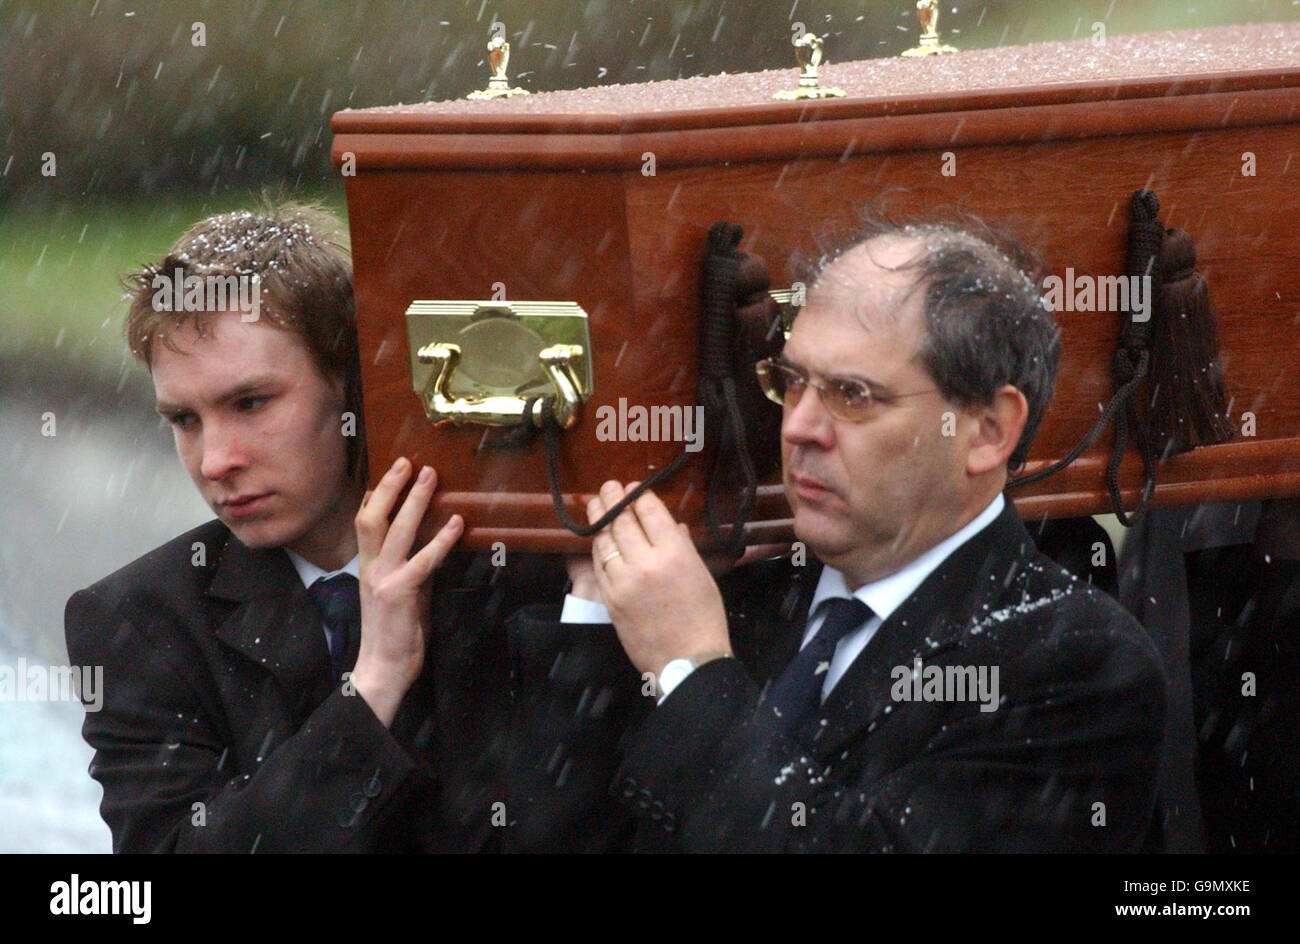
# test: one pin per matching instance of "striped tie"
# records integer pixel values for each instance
(796, 694)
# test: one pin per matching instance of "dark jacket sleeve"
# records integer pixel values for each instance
(339, 783)
(576, 697)
(1066, 762)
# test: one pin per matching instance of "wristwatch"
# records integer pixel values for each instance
(675, 672)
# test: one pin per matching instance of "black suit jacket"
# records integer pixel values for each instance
(1067, 761)
(221, 730)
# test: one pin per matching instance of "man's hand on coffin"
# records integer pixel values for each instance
(396, 587)
(582, 572)
(661, 597)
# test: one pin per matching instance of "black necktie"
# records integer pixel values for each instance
(339, 600)
(796, 694)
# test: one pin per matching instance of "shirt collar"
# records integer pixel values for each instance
(309, 573)
(888, 593)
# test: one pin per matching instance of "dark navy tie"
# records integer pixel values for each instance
(339, 600)
(797, 694)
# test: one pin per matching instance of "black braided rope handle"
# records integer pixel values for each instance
(550, 429)
(734, 539)
(551, 435)
(716, 389)
(1131, 364)
(1115, 407)
(1146, 236)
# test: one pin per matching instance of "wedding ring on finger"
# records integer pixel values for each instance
(604, 561)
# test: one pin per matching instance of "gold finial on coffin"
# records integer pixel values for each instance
(808, 51)
(927, 11)
(499, 83)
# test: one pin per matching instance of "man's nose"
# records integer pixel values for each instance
(808, 422)
(223, 452)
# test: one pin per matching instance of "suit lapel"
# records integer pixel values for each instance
(275, 624)
(768, 610)
(934, 618)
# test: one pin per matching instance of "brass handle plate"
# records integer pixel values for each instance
(789, 301)
(483, 361)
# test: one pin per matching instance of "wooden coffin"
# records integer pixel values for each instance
(549, 196)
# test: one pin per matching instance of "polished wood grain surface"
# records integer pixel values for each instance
(570, 216)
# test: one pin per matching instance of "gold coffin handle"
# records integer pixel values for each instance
(789, 300)
(558, 363)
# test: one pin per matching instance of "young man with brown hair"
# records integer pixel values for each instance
(231, 721)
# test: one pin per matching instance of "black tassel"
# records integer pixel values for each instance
(1188, 407)
(758, 335)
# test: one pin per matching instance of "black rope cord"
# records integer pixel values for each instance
(734, 432)
(552, 437)
(527, 431)
(716, 392)
(1145, 237)
(716, 389)
(1129, 367)
(1114, 407)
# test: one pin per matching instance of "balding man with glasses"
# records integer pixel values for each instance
(923, 679)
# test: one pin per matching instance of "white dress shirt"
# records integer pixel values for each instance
(886, 594)
(883, 596)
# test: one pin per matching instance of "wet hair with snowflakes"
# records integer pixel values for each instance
(300, 255)
(986, 323)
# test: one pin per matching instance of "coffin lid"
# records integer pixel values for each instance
(1173, 111)
(610, 127)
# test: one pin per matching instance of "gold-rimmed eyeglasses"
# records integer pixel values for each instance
(844, 399)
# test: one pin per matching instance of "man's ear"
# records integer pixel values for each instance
(1000, 425)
